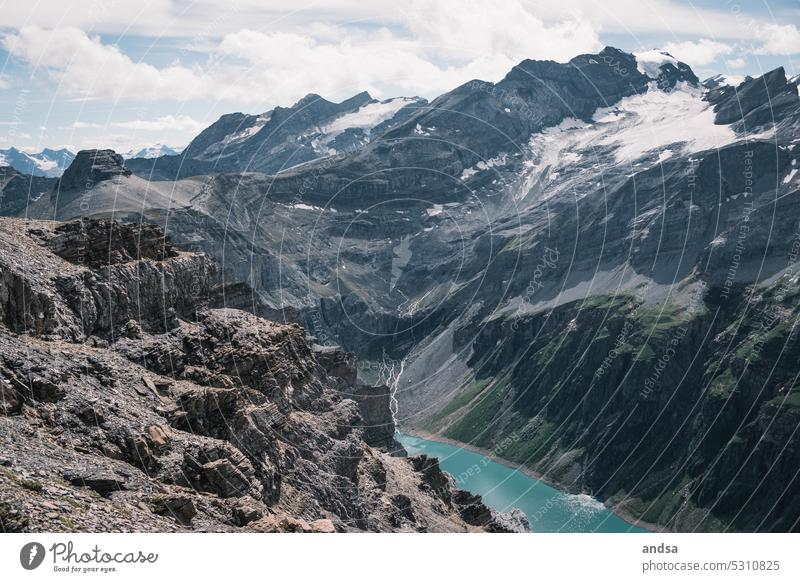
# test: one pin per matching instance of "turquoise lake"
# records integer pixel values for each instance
(503, 488)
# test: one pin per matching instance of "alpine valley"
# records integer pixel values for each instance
(587, 269)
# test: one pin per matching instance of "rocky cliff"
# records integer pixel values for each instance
(127, 404)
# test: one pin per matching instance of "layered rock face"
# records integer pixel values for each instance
(84, 294)
(127, 405)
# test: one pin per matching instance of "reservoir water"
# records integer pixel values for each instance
(503, 488)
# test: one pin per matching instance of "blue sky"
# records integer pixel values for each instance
(125, 75)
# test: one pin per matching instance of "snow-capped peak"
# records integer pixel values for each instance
(650, 62)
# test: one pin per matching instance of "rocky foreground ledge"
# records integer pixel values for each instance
(128, 402)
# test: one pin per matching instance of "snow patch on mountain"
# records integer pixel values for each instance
(644, 129)
(483, 165)
(549, 149)
(248, 132)
(656, 119)
(435, 210)
(303, 206)
(646, 123)
(323, 139)
(366, 117)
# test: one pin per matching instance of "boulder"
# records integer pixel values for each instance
(159, 435)
(101, 481)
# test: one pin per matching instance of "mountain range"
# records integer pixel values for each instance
(587, 268)
(48, 163)
(281, 138)
(51, 163)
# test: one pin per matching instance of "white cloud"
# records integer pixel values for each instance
(85, 67)
(449, 46)
(210, 19)
(424, 47)
(83, 125)
(119, 142)
(698, 53)
(182, 123)
(281, 67)
(253, 55)
(778, 39)
(465, 30)
(737, 63)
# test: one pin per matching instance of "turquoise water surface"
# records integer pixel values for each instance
(503, 488)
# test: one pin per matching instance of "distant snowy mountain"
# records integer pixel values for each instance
(153, 151)
(48, 163)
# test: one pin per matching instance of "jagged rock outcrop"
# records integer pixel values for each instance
(216, 420)
(97, 243)
(756, 101)
(42, 293)
(374, 402)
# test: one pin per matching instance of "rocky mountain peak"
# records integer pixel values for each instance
(357, 100)
(91, 167)
(308, 98)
